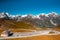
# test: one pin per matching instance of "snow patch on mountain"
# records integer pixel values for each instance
(41, 19)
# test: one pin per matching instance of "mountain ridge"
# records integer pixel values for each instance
(43, 20)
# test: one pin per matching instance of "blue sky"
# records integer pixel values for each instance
(29, 6)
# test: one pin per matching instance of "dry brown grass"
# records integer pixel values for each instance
(45, 37)
(58, 29)
(21, 30)
(14, 24)
(16, 30)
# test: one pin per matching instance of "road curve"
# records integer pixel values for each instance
(30, 34)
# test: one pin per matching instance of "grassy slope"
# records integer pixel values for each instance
(44, 37)
(14, 24)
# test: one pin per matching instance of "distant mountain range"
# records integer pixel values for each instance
(43, 20)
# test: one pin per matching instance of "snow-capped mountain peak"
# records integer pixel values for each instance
(48, 20)
(24, 15)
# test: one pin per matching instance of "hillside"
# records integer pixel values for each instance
(14, 24)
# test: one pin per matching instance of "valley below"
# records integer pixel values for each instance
(38, 34)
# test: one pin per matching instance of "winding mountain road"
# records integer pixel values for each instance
(30, 34)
